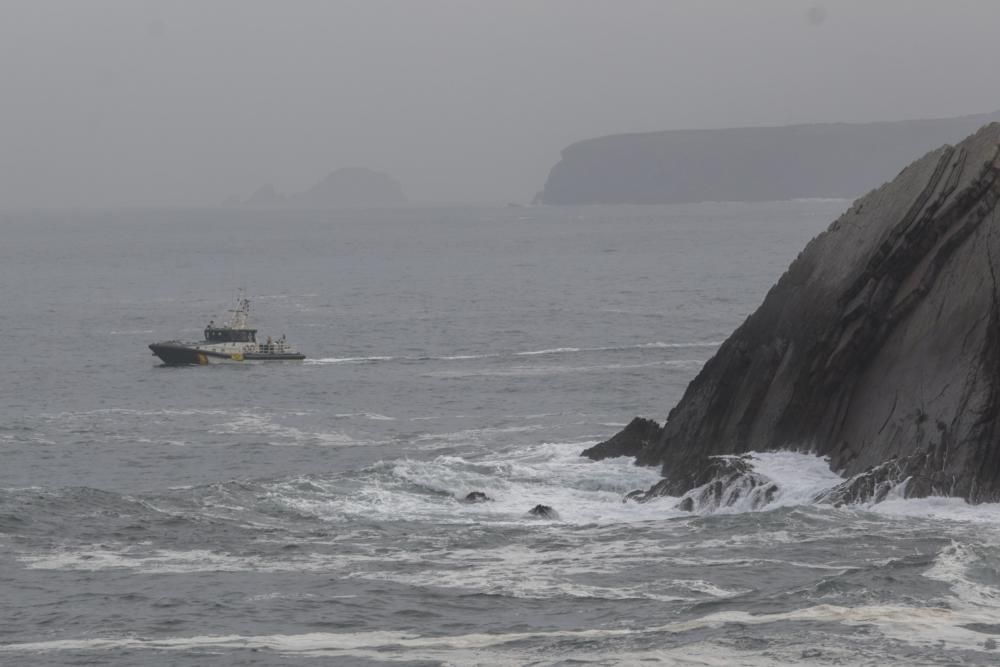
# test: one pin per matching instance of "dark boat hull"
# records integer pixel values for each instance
(253, 356)
(178, 354)
(173, 354)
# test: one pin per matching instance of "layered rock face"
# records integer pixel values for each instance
(745, 164)
(879, 347)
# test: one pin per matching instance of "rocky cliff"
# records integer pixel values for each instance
(878, 348)
(746, 164)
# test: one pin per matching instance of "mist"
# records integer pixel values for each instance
(115, 103)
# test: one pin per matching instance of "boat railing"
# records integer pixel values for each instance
(273, 348)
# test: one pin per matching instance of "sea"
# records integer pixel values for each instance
(311, 513)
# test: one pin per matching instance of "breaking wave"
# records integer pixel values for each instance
(599, 548)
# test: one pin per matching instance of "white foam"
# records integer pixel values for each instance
(796, 478)
(580, 490)
(259, 424)
(554, 350)
(660, 345)
(707, 587)
(466, 357)
(373, 416)
(802, 477)
(346, 360)
(525, 572)
(799, 476)
(922, 626)
(513, 570)
(938, 508)
(952, 566)
(170, 561)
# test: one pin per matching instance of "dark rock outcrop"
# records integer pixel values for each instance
(874, 484)
(476, 497)
(745, 164)
(879, 345)
(628, 442)
(723, 481)
(543, 512)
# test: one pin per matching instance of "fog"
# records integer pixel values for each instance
(187, 102)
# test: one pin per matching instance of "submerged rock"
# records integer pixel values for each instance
(749, 490)
(639, 496)
(878, 348)
(724, 481)
(873, 485)
(543, 512)
(476, 497)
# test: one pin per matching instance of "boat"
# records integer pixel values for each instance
(233, 342)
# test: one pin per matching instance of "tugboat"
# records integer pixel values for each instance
(229, 343)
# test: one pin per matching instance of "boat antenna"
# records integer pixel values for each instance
(241, 312)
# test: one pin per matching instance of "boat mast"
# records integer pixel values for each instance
(240, 313)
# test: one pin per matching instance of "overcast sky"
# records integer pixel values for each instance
(135, 102)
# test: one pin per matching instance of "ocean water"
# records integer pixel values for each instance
(309, 513)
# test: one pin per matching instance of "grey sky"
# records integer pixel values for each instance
(187, 101)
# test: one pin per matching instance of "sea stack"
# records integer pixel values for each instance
(879, 348)
(350, 187)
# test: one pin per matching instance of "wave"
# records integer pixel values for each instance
(911, 625)
(786, 479)
(555, 350)
(518, 476)
(371, 416)
(259, 424)
(643, 346)
(175, 561)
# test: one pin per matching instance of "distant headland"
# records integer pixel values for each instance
(343, 188)
(833, 160)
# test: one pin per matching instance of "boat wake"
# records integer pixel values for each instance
(545, 352)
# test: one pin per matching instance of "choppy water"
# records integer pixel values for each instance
(308, 513)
